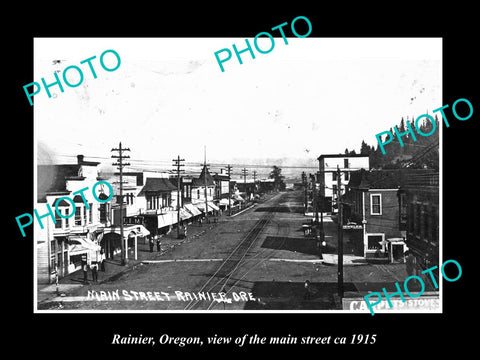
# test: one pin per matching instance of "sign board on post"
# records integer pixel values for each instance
(427, 303)
(133, 220)
(352, 227)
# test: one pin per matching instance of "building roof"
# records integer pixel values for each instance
(377, 179)
(53, 178)
(393, 178)
(137, 174)
(200, 181)
(323, 156)
(221, 177)
(156, 185)
(80, 161)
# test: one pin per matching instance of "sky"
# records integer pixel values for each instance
(169, 97)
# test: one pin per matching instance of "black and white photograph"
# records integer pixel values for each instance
(261, 187)
(297, 180)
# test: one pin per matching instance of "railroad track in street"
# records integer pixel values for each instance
(217, 282)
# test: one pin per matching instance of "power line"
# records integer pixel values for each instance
(193, 164)
(177, 163)
(229, 172)
(120, 164)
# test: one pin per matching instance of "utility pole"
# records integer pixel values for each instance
(322, 230)
(254, 179)
(340, 235)
(304, 182)
(205, 179)
(120, 164)
(177, 164)
(315, 199)
(229, 172)
(244, 172)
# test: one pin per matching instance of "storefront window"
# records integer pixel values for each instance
(374, 242)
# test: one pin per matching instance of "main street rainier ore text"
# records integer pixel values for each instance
(131, 295)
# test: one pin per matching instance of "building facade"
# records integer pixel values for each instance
(420, 217)
(61, 246)
(327, 181)
(222, 196)
(372, 201)
(203, 192)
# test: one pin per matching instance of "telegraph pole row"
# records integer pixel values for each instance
(304, 182)
(120, 164)
(340, 225)
(340, 235)
(177, 164)
(229, 172)
(205, 167)
(245, 172)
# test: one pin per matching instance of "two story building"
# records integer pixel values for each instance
(372, 200)
(327, 181)
(201, 187)
(420, 217)
(222, 190)
(62, 245)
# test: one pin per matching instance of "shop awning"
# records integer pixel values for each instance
(224, 201)
(184, 214)
(396, 241)
(167, 219)
(211, 206)
(193, 209)
(128, 230)
(239, 198)
(81, 245)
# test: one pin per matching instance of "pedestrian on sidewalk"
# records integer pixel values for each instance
(308, 290)
(94, 268)
(102, 260)
(159, 245)
(85, 272)
(410, 263)
(151, 244)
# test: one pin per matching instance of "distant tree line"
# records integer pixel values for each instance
(276, 175)
(422, 153)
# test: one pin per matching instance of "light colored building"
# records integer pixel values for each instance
(62, 244)
(197, 191)
(327, 181)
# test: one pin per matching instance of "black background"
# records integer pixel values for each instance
(90, 335)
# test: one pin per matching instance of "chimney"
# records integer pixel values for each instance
(80, 159)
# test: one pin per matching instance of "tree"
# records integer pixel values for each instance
(364, 148)
(276, 175)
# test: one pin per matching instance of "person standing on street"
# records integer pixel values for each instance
(94, 267)
(85, 272)
(308, 291)
(159, 245)
(102, 260)
(410, 263)
(151, 244)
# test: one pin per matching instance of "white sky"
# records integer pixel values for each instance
(169, 97)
